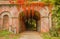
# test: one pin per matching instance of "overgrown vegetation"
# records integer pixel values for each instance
(47, 36)
(8, 35)
(55, 29)
(4, 33)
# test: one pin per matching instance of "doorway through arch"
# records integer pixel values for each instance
(29, 21)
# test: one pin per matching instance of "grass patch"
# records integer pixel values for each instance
(4, 33)
(8, 35)
(47, 36)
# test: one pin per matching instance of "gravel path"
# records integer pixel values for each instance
(30, 35)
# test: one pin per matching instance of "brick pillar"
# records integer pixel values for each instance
(44, 24)
(15, 27)
(39, 25)
(0, 23)
(50, 20)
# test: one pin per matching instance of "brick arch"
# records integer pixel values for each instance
(44, 18)
(27, 10)
(39, 24)
(41, 10)
(6, 13)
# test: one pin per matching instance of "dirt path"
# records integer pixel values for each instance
(30, 35)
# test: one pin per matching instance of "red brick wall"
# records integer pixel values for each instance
(14, 15)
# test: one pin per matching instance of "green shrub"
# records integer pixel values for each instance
(4, 33)
(54, 33)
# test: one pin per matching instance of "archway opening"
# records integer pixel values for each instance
(28, 21)
(5, 22)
